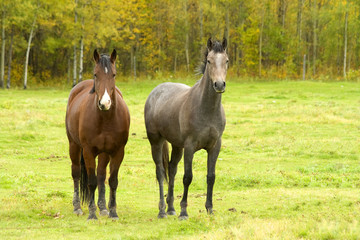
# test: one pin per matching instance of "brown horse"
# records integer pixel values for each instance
(97, 124)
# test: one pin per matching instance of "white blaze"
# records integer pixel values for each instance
(106, 70)
(105, 100)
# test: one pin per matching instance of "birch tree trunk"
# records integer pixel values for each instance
(187, 52)
(75, 62)
(2, 49)
(10, 58)
(175, 62)
(201, 20)
(134, 67)
(187, 40)
(260, 39)
(81, 59)
(314, 36)
(227, 20)
(299, 29)
(299, 19)
(345, 42)
(69, 71)
(74, 67)
(132, 61)
(28, 52)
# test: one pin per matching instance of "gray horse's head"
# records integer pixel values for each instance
(216, 64)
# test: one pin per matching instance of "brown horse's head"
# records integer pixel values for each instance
(217, 64)
(104, 79)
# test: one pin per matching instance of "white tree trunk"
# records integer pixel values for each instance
(10, 59)
(314, 35)
(2, 50)
(345, 42)
(304, 67)
(260, 39)
(75, 62)
(81, 59)
(227, 20)
(187, 39)
(74, 67)
(135, 67)
(187, 52)
(28, 53)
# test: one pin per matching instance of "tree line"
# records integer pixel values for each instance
(54, 39)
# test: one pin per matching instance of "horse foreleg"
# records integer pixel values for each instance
(210, 178)
(156, 151)
(188, 158)
(75, 172)
(176, 155)
(115, 163)
(92, 181)
(103, 160)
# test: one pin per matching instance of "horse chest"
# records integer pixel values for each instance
(207, 137)
(103, 138)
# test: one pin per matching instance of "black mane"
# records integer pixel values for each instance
(217, 47)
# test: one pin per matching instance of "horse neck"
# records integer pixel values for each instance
(209, 99)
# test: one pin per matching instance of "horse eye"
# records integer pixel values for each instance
(227, 61)
(208, 61)
(113, 75)
(95, 75)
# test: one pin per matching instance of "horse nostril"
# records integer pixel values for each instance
(215, 84)
(224, 84)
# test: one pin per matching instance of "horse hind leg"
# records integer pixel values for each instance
(74, 151)
(176, 155)
(103, 160)
(90, 165)
(115, 163)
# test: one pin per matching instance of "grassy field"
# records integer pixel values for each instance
(288, 169)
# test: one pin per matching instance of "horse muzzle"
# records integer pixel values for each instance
(219, 86)
(105, 102)
(104, 106)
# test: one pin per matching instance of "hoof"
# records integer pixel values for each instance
(185, 217)
(162, 215)
(210, 211)
(78, 212)
(113, 215)
(92, 217)
(114, 218)
(171, 212)
(104, 212)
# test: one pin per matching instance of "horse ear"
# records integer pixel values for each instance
(96, 56)
(209, 44)
(224, 43)
(113, 56)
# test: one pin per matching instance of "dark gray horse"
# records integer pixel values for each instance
(190, 118)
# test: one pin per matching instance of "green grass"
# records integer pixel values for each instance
(288, 169)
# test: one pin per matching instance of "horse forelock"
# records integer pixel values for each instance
(105, 63)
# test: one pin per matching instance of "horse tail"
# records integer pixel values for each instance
(166, 160)
(84, 190)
